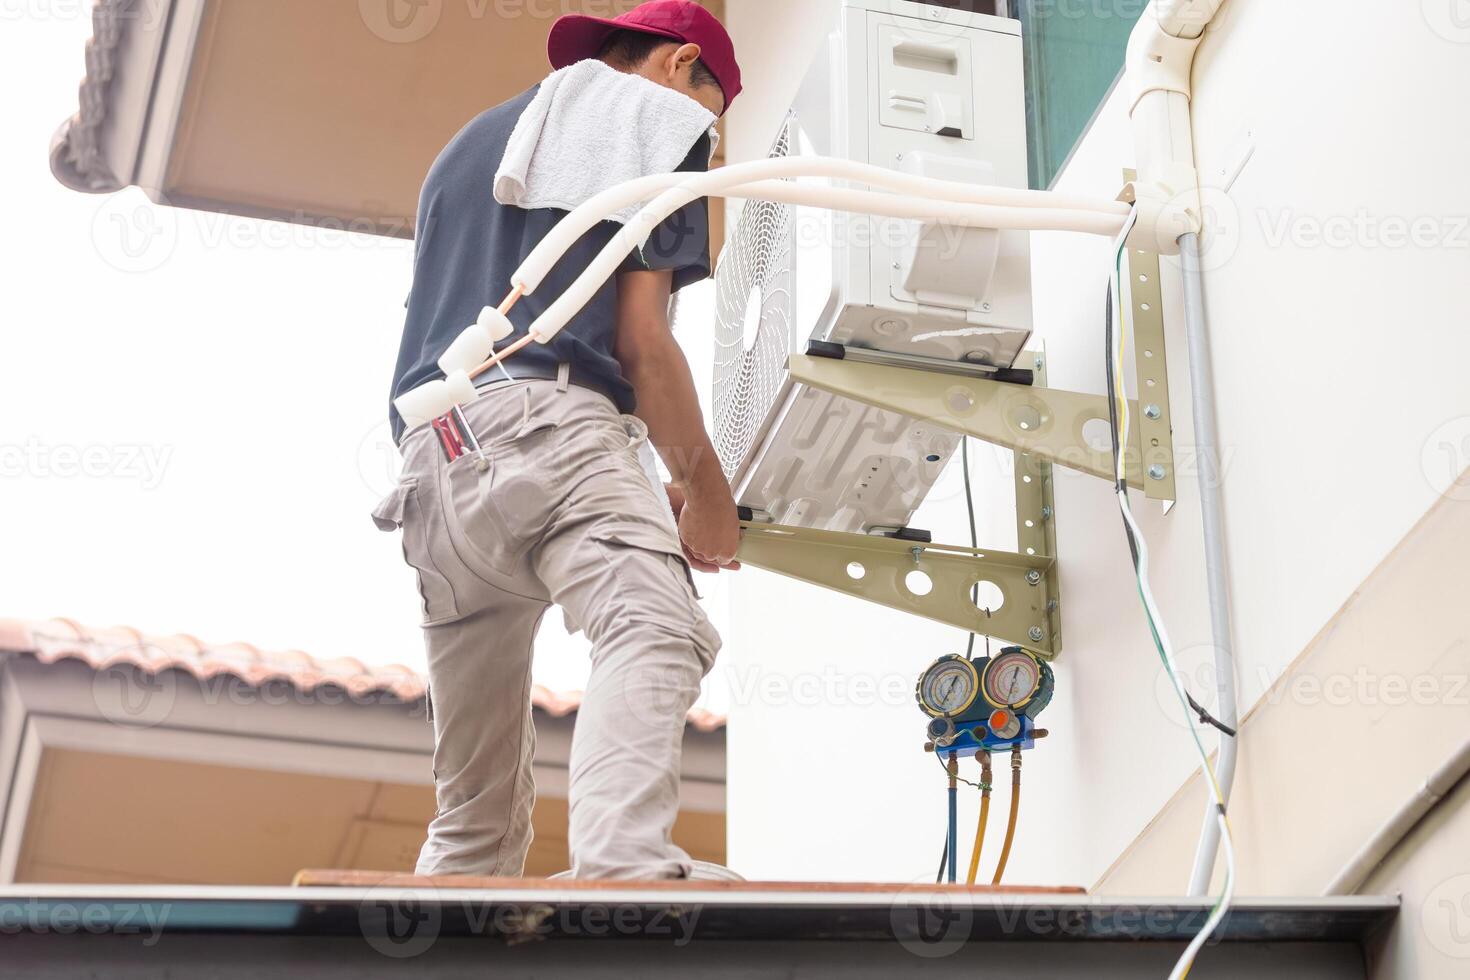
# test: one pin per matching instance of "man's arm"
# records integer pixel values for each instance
(667, 403)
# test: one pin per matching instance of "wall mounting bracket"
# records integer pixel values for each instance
(1009, 407)
(880, 569)
(1020, 602)
(1001, 408)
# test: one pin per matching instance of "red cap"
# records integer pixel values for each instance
(576, 37)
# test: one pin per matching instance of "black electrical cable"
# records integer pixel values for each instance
(1112, 382)
(974, 537)
(943, 859)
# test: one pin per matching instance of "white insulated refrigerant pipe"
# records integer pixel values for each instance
(909, 197)
(1160, 64)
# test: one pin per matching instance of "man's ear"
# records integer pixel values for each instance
(682, 58)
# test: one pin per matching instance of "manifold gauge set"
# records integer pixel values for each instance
(986, 704)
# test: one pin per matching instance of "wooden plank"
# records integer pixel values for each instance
(331, 878)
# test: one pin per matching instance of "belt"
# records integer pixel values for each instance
(453, 433)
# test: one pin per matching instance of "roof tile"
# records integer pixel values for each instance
(66, 639)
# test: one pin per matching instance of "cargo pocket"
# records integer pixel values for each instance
(499, 505)
(651, 570)
(656, 583)
(403, 509)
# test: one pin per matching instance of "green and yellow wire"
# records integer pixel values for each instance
(1156, 629)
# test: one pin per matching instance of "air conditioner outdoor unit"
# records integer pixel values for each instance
(921, 89)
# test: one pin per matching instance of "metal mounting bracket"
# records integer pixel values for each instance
(1036, 527)
(1155, 423)
(1024, 605)
(1041, 422)
(881, 570)
(997, 406)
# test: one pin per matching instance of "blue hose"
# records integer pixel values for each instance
(954, 868)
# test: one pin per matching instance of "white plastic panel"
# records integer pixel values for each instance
(925, 81)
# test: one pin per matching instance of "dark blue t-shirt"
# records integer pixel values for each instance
(467, 245)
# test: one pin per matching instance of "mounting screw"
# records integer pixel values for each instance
(985, 307)
(1035, 633)
(1037, 363)
(1034, 577)
(1045, 513)
(1156, 472)
(1051, 605)
(896, 267)
(917, 553)
(1152, 411)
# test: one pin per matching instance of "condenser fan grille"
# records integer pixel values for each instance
(753, 311)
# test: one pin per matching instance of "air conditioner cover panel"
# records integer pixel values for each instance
(791, 274)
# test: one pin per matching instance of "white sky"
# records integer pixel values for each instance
(192, 406)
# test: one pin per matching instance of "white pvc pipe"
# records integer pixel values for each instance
(1440, 784)
(1217, 569)
(1160, 62)
(932, 209)
(637, 230)
(572, 227)
(963, 205)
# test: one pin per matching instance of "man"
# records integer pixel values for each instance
(558, 508)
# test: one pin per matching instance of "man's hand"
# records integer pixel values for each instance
(715, 541)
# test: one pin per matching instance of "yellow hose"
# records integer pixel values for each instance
(984, 817)
(1005, 850)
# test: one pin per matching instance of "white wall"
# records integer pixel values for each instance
(1344, 412)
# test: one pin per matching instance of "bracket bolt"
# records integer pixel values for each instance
(1045, 513)
(1034, 577)
(1152, 411)
(917, 553)
(1051, 605)
(1156, 472)
(1036, 634)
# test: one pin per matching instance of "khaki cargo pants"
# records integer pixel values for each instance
(561, 510)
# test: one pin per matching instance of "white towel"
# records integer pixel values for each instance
(590, 127)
